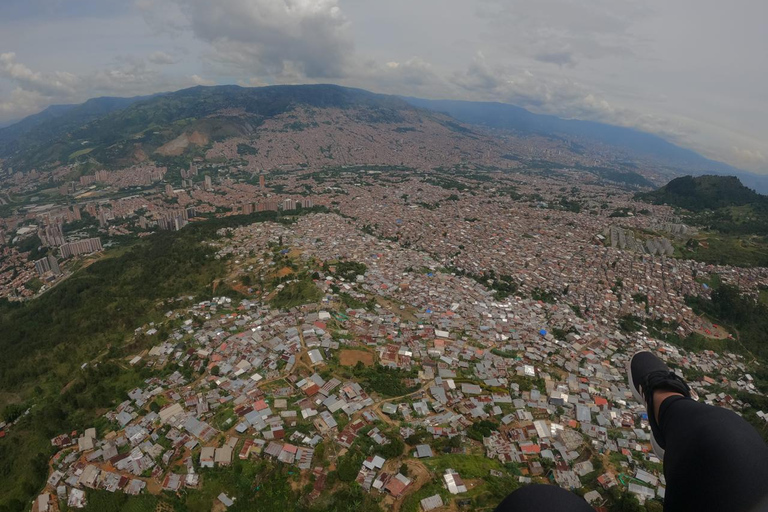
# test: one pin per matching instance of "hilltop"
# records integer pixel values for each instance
(703, 193)
(734, 217)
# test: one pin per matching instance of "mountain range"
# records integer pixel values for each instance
(120, 131)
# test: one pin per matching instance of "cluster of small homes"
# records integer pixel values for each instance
(246, 376)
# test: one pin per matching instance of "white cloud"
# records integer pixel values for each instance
(198, 80)
(21, 103)
(46, 84)
(128, 76)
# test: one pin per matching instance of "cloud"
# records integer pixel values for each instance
(559, 58)
(748, 157)
(46, 84)
(560, 96)
(591, 29)
(282, 38)
(21, 103)
(127, 76)
(162, 59)
(198, 80)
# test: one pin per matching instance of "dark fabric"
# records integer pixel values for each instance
(714, 460)
(543, 498)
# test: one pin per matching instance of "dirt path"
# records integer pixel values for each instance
(419, 474)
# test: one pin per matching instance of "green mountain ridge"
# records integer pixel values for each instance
(704, 193)
(146, 124)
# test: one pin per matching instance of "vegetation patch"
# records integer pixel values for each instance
(297, 293)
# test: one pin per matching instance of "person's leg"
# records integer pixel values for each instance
(543, 498)
(714, 459)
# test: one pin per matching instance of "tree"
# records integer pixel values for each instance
(12, 412)
(215, 371)
(349, 466)
(392, 449)
(626, 503)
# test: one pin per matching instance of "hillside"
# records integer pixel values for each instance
(734, 218)
(287, 127)
(55, 122)
(704, 193)
(120, 132)
(635, 143)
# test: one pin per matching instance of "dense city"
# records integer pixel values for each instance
(429, 335)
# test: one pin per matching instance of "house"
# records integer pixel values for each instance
(375, 462)
(423, 451)
(397, 485)
(389, 408)
(43, 502)
(172, 482)
(223, 456)
(315, 356)
(169, 412)
(453, 482)
(643, 493)
(432, 502)
(225, 500)
(207, 455)
(76, 499)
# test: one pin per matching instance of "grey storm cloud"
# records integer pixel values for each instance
(162, 59)
(559, 58)
(276, 37)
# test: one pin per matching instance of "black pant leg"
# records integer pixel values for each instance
(543, 498)
(714, 460)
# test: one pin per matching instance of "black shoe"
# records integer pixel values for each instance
(647, 373)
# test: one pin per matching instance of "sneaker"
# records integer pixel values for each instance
(646, 374)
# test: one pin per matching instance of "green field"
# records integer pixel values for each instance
(80, 153)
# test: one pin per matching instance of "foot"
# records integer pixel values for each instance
(648, 375)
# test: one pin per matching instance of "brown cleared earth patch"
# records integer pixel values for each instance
(180, 144)
(285, 271)
(352, 357)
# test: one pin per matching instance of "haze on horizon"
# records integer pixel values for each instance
(691, 71)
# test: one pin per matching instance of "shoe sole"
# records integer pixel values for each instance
(658, 450)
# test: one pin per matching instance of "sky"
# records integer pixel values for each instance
(693, 71)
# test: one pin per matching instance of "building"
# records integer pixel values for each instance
(423, 451)
(54, 264)
(207, 457)
(397, 485)
(51, 236)
(431, 503)
(453, 482)
(289, 204)
(269, 205)
(262, 182)
(42, 266)
(87, 246)
(208, 183)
